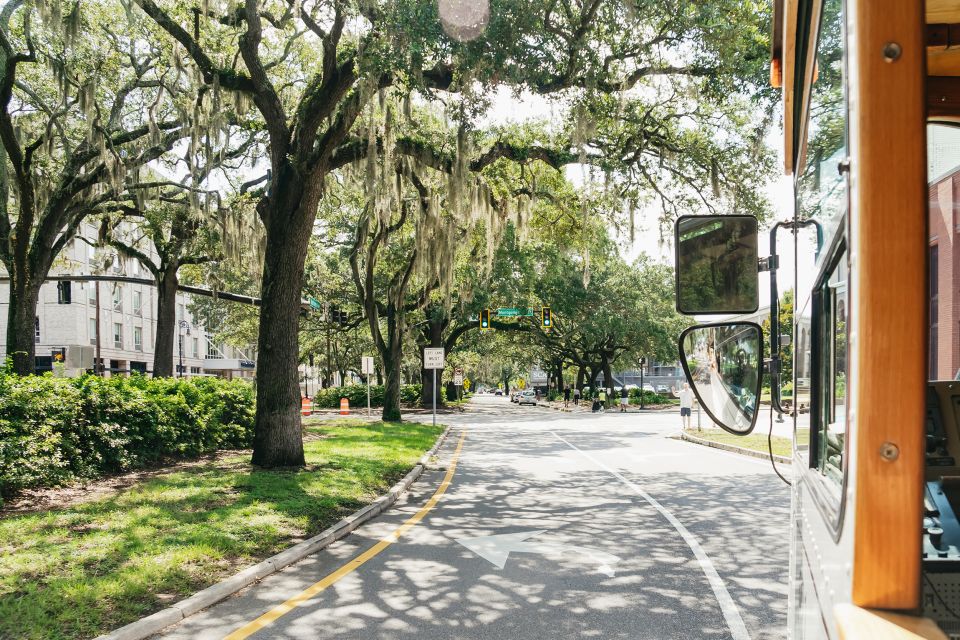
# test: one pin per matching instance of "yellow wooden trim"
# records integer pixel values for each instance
(789, 56)
(943, 11)
(943, 62)
(854, 623)
(889, 343)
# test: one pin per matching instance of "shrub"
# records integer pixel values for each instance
(57, 430)
(357, 395)
(649, 397)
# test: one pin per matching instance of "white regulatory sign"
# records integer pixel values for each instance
(458, 379)
(367, 365)
(433, 358)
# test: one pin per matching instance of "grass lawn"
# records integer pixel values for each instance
(83, 570)
(754, 441)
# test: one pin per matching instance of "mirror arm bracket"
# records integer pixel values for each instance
(771, 263)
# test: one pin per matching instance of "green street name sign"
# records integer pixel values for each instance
(513, 312)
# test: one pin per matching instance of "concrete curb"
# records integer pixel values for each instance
(734, 449)
(146, 627)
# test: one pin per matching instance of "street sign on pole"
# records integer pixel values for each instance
(433, 359)
(514, 312)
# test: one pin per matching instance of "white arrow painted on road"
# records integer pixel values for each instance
(498, 548)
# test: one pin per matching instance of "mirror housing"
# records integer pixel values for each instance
(717, 264)
(723, 363)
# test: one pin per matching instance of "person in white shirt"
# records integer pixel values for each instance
(686, 404)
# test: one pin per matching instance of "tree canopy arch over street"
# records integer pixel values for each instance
(657, 98)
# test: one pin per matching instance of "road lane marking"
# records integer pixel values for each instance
(727, 606)
(279, 611)
(497, 548)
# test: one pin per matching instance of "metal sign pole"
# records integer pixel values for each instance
(368, 395)
(434, 397)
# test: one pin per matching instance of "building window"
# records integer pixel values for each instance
(64, 292)
(195, 370)
(92, 330)
(117, 264)
(138, 339)
(36, 329)
(118, 298)
(118, 335)
(137, 303)
(181, 313)
(934, 310)
(196, 347)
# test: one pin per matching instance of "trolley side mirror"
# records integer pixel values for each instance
(717, 264)
(724, 364)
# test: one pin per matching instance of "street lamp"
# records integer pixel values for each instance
(184, 329)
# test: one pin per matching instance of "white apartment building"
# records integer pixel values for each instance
(67, 318)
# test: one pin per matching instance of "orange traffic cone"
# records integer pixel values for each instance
(344, 407)
(306, 406)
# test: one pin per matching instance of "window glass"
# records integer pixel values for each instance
(943, 176)
(821, 186)
(118, 335)
(832, 414)
(92, 330)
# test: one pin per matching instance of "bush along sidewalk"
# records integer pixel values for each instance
(357, 395)
(58, 430)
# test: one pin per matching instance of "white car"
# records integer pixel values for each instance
(528, 397)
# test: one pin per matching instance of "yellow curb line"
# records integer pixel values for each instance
(345, 570)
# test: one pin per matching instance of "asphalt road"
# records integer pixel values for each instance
(613, 530)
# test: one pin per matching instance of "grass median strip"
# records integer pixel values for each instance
(754, 441)
(83, 570)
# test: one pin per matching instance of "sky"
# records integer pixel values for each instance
(507, 108)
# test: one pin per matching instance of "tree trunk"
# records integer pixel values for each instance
(392, 362)
(434, 331)
(607, 373)
(289, 216)
(21, 325)
(167, 329)
(581, 377)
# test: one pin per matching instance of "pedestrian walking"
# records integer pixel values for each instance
(686, 405)
(576, 396)
(566, 396)
(602, 397)
(624, 399)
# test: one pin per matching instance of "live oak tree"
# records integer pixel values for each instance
(83, 107)
(313, 68)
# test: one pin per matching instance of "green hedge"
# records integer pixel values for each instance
(57, 430)
(649, 397)
(357, 394)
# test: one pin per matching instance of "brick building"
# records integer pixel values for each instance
(944, 337)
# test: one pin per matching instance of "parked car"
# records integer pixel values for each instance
(663, 389)
(516, 396)
(649, 387)
(498, 392)
(528, 397)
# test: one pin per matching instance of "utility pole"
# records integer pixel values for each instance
(642, 362)
(97, 366)
(326, 316)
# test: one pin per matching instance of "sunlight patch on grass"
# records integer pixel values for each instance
(755, 441)
(81, 571)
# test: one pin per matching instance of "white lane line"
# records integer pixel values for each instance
(727, 606)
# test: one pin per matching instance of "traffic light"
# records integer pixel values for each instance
(484, 318)
(545, 318)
